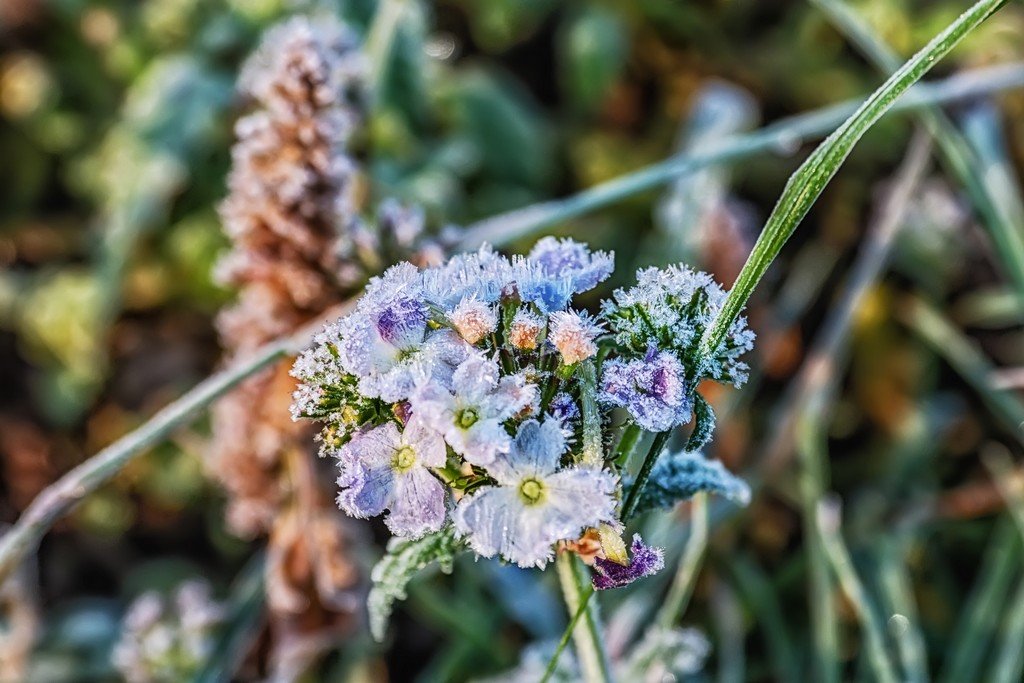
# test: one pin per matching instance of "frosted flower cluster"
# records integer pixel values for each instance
(657, 325)
(168, 638)
(473, 397)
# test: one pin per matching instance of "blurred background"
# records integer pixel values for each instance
(116, 127)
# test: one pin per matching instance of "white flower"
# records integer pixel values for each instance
(470, 414)
(534, 504)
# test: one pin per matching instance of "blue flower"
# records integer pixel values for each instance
(564, 409)
(385, 343)
(646, 561)
(573, 261)
(481, 275)
(384, 469)
(653, 389)
(534, 504)
(556, 269)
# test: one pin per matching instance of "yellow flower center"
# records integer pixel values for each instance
(405, 458)
(532, 491)
(466, 418)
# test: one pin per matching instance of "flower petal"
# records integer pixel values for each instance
(418, 505)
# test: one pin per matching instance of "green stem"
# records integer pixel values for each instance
(563, 642)
(781, 137)
(627, 443)
(686, 576)
(968, 360)
(633, 497)
(807, 184)
(828, 523)
(588, 640)
(810, 442)
(593, 449)
(999, 206)
(63, 495)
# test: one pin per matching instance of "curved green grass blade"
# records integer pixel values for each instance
(807, 184)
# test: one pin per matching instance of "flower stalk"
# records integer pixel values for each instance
(587, 637)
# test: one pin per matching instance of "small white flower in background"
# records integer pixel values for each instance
(168, 640)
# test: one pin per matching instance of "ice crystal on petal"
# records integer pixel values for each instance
(525, 330)
(573, 334)
(569, 262)
(653, 389)
(534, 503)
(385, 469)
(563, 408)
(646, 561)
(482, 275)
(670, 308)
(473, 319)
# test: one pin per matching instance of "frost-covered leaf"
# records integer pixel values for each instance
(403, 559)
(703, 425)
(678, 476)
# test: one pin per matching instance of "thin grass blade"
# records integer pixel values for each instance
(807, 184)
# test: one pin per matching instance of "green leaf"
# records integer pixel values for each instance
(404, 558)
(679, 476)
(807, 184)
(703, 423)
(501, 121)
(593, 47)
(394, 50)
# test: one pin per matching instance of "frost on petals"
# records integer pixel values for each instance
(653, 389)
(646, 561)
(525, 330)
(534, 504)
(573, 334)
(470, 414)
(473, 319)
(384, 469)
(477, 358)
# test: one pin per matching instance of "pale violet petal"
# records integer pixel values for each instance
(426, 441)
(418, 506)
(365, 491)
(578, 498)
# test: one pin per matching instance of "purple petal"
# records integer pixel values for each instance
(646, 561)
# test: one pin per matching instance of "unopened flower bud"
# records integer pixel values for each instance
(525, 330)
